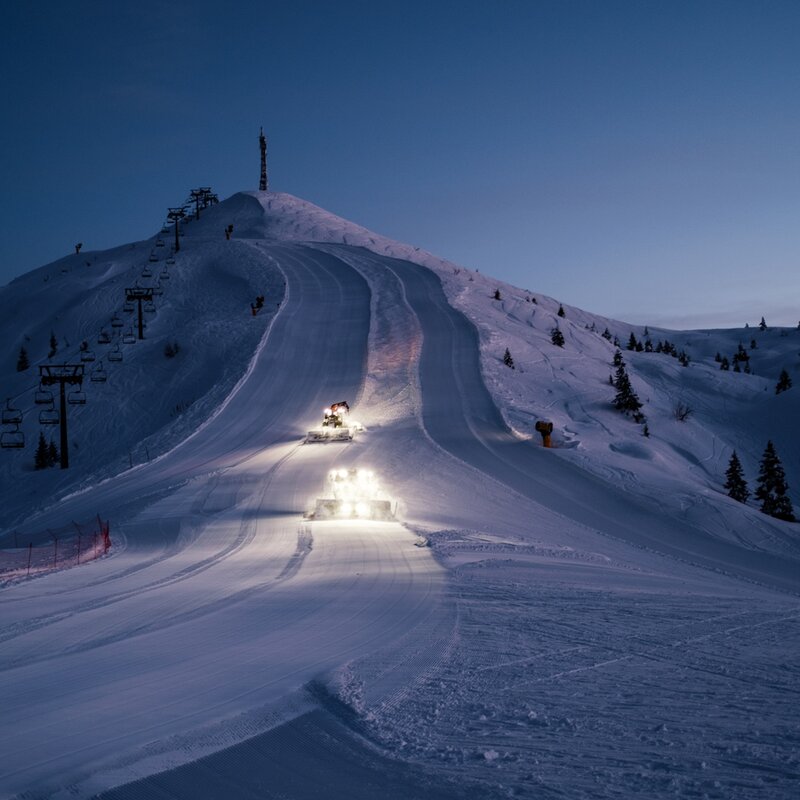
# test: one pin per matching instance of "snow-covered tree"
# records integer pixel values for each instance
(52, 454)
(606, 334)
(626, 399)
(507, 360)
(725, 364)
(784, 382)
(497, 294)
(762, 324)
(632, 342)
(22, 360)
(41, 459)
(618, 358)
(772, 486)
(735, 484)
(561, 311)
(556, 337)
(53, 345)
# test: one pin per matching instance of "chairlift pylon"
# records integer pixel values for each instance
(11, 415)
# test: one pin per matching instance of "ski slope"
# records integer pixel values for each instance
(541, 644)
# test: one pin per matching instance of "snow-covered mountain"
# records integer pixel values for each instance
(539, 646)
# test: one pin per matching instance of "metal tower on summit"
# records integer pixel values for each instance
(262, 142)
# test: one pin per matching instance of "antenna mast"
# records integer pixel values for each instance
(262, 141)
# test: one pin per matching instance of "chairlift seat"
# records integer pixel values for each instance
(147, 272)
(104, 337)
(12, 439)
(128, 307)
(159, 242)
(116, 322)
(115, 355)
(76, 398)
(48, 416)
(129, 338)
(99, 374)
(87, 355)
(43, 397)
(153, 257)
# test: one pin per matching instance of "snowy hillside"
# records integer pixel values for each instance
(540, 641)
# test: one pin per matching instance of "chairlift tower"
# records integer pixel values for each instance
(262, 142)
(175, 215)
(140, 294)
(202, 199)
(64, 375)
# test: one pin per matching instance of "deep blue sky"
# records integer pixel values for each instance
(637, 159)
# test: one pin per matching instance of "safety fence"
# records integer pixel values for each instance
(25, 554)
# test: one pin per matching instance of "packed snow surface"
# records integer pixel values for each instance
(593, 620)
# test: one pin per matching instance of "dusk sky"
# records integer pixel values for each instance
(637, 159)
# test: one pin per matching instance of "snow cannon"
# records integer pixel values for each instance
(336, 425)
(353, 494)
(544, 427)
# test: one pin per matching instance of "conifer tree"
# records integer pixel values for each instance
(41, 459)
(618, 358)
(616, 342)
(22, 360)
(507, 360)
(646, 331)
(735, 483)
(772, 486)
(632, 342)
(725, 364)
(753, 344)
(556, 337)
(561, 311)
(606, 334)
(626, 399)
(52, 454)
(53, 345)
(762, 324)
(784, 382)
(648, 346)
(497, 294)
(718, 357)
(736, 367)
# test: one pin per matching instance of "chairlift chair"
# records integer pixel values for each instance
(43, 397)
(105, 337)
(128, 307)
(116, 322)
(153, 257)
(171, 260)
(49, 416)
(159, 242)
(76, 397)
(157, 288)
(164, 276)
(99, 374)
(147, 272)
(11, 415)
(87, 355)
(12, 439)
(149, 307)
(129, 338)
(115, 354)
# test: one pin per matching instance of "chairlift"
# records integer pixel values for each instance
(159, 242)
(77, 397)
(87, 355)
(49, 416)
(165, 228)
(43, 397)
(149, 307)
(99, 374)
(164, 276)
(129, 338)
(11, 415)
(105, 337)
(12, 439)
(128, 307)
(153, 257)
(116, 322)
(147, 272)
(171, 260)
(115, 354)
(157, 288)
